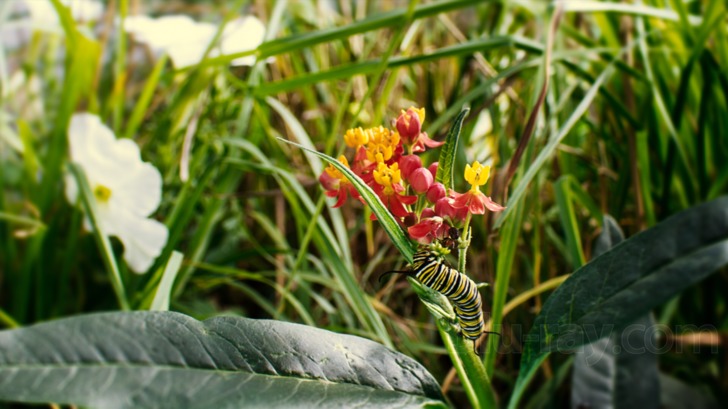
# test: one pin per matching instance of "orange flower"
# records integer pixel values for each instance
(337, 184)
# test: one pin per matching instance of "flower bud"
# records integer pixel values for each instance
(421, 180)
(435, 192)
(409, 125)
(408, 164)
(433, 168)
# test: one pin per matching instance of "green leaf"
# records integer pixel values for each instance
(164, 289)
(621, 370)
(677, 394)
(564, 202)
(169, 360)
(628, 281)
(372, 66)
(449, 151)
(388, 222)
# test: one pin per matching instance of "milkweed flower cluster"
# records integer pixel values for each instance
(386, 160)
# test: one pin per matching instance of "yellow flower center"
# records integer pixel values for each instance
(382, 143)
(387, 176)
(477, 175)
(336, 173)
(356, 137)
(102, 193)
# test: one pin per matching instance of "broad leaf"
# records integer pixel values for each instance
(166, 359)
(628, 281)
(621, 370)
(446, 162)
(675, 394)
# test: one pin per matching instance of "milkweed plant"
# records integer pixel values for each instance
(425, 204)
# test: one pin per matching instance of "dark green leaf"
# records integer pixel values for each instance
(445, 169)
(675, 394)
(621, 370)
(626, 282)
(165, 359)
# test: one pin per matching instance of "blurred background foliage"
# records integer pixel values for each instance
(632, 125)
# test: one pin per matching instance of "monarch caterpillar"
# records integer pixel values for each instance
(431, 270)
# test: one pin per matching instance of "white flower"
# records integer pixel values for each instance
(43, 12)
(126, 190)
(40, 15)
(185, 40)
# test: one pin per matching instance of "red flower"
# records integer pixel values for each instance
(445, 207)
(409, 124)
(388, 187)
(475, 201)
(396, 201)
(429, 229)
(337, 185)
(424, 140)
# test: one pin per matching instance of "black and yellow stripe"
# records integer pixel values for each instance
(431, 270)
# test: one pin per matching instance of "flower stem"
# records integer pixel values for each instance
(469, 367)
(463, 244)
(107, 254)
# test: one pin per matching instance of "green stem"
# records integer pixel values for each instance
(469, 367)
(107, 254)
(463, 244)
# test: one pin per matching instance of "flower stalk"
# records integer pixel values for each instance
(107, 254)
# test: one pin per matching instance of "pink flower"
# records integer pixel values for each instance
(408, 164)
(421, 180)
(429, 229)
(409, 124)
(445, 207)
(423, 141)
(436, 192)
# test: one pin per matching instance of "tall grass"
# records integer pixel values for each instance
(631, 125)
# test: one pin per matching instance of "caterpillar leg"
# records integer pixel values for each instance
(480, 337)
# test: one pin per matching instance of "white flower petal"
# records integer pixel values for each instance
(44, 14)
(88, 138)
(179, 36)
(242, 34)
(71, 189)
(186, 40)
(142, 192)
(143, 241)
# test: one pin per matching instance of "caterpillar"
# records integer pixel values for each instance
(432, 271)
